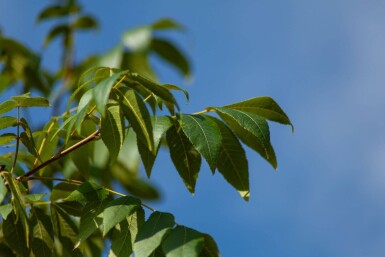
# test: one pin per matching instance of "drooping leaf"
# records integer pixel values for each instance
(185, 157)
(183, 242)
(118, 210)
(102, 90)
(85, 22)
(252, 129)
(204, 134)
(7, 138)
(59, 30)
(171, 54)
(27, 139)
(137, 114)
(173, 87)
(152, 233)
(88, 191)
(5, 210)
(7, 106)
(42, 233)
(263, 106)
(14, 235)
(232, 162)
(7, 121)
(160, 125)
(210, 248)
(112, 129)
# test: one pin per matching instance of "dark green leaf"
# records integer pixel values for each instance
(210, 248)
(15, 236)
(62, 191)
(137, 114)
(42, 233)
(85, 22)
(232, 162)
(27, 101)
(5, 210)
(121, 241)
(263, 106)
(204, 134)
(71, 208)
(7, 106)
(7, 138)
(7, 121)
(152, 233)
(166, 24)
(112, 129)
(185, 157)
(60, 30)
(88, 191)
(55, 11)
(170, 53)
(173, 87)
(252, 129)
(183, 242)
(29, 144)
(118, 210)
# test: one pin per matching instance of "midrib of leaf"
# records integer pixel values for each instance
(245, 108)
(235, 167)
(125, 239)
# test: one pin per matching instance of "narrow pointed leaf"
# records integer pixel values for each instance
(166, 24)
(55, 11)
(42, 233)
(210, 248)
(232, 162)
(7, 121)
(173, 87)
(88, 191)
(252, 129)
(7, 138)
(112, 129)
(263, 106)
(137, 114)
(118, 210)
(26, 138)
(183, 242)
(7, 106)
(204, 134)
(152, 233)
(160, 125)
(32, 102)
(185, 157)
(102, 91)
(85, 22)
(60, 30)
(14, 235)
(46, 143)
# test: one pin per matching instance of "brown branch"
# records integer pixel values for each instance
(61, 154)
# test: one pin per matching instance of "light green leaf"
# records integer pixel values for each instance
(210, 248)
(152, 233)
(14, 235)
(204, 134)
(5, 210)
(42, 233)
(252, 129)
(137, 114)
(7, 138)
(112, 129)
(7, 121)
(263, 106)
(31, 101)
(34, 197)
(138, 39)
(118, 210)
(7, 106)
(102, 91)
(3, 189)
(160, 125)
(183, 242)
(135, 221)
(88, 191)
(46, 143)
(232, 162)
(62, 191)
(185, 157)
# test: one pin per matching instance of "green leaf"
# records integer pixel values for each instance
(171, 54)
(121, 241)
(85, 22)
(166, 24)
(42, 233)
(47, 142)
(204, 134)
(118, 210)
(55, 11)
(7, 121)
(34, 197)
(5, 210)
(88, 191)
(26, 101)
(252, 129)
(138, 39)
(173, 87)
(7, 106)
(112, 129)
(59, 30)
(135, 222)
(3, 189)
(185, 157)
(152, 233)
(137, 114)
(102, 91)
(7, 138)
(263, 106)
(210, 248)
(160, 125)
(29, 144)
(232, 162)
(15, 236)
(183, 242)
(62, 191)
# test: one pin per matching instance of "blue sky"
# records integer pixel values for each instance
(323, 62)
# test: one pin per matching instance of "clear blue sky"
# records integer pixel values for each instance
(324, 63)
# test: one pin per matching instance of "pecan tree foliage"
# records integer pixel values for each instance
(57, 179)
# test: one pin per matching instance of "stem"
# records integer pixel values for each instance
(17, 139)
(208, 109)
(61, 154)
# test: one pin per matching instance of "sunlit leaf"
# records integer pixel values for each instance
(62, 191)
(185, 157)
(183, 241)
(42, 233)
(204, 134)
(34, 197)
(27, 101)
(5, 210)
(7, 106)
(46, 143)
(152, 233)
(7, 138)
(7, 121)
